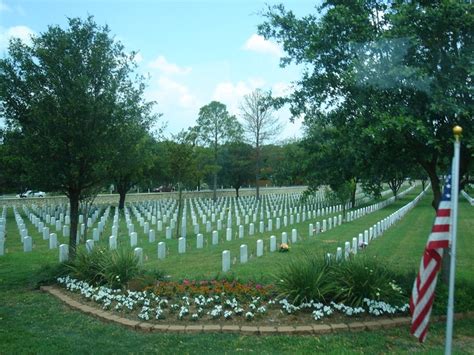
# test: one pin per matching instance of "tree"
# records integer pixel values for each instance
(406, 66)
(66, 95)
(260, 124)
(288, 168)
(236, 161)
(181, 166)
(131, 161)
(216, 127)
(332, 160)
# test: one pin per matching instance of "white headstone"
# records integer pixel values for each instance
(95, 234)
(159, 226)
(199, 241)
(161, 250)
(294, 236)
(63, 253)
(354, 245)
(168, 232)
(139, 255)
(151, 236)
(112, 242)
(347, 250)
(181, 245)
(89, 245)
(273, 243)
(215, 238)
(228, 235)
(2, 247)
(45, 233)
(133, 239)
(225, 260)
(310, 230)
(261, 227)
(53, 241)
(259, 247)
(284, 238)
(339, 254)
(243, 254)
(251, 229)
(241, 231)
(27, 244)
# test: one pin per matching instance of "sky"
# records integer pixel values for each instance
(191, 51)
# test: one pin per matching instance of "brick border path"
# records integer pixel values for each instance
(315, 329)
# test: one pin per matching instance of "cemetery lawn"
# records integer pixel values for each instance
(34, 322)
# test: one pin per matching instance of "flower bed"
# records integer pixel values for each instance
(216, 301)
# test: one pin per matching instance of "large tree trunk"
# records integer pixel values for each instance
(353, 196)
(74, 215)
(257, 174)
(237, 192)
(122, 196)
(180, 209)
(214, 193)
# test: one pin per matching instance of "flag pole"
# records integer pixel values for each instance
(457, 130)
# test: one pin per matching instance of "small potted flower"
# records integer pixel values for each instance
(284, 248)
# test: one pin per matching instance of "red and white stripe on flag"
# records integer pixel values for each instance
(421, 301)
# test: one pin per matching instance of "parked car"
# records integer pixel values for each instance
(31, 193)
(164, 188)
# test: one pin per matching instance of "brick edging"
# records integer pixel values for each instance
(315, 329)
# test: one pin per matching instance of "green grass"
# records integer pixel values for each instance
(33, 322)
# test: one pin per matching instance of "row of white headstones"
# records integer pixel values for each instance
(359, 242)
(41, 219)
(373, 232)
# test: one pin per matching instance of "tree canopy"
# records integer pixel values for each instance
(400, 67)
(67, 96)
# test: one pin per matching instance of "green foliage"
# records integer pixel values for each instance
(121, 267)
(389, 74)
(90, 267)
(363, 277)
(303, 279)
(312, 278)
(103, 266)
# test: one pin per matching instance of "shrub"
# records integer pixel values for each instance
(116, 268)
(363, 277)
(303, 279)
(90, 267)
(121, 267)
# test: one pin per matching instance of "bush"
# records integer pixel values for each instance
(90, 267)
(304, 279)
(363, 277)
(348, 282)
(115, 268)
(122, 267)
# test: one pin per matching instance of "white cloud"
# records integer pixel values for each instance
(24, 33)
(168, 92)
(257, 43)
(231, 94)
(281, 89)
(168, 68)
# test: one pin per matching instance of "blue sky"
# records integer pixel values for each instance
(194, 51)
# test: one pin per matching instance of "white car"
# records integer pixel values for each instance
(31, 193)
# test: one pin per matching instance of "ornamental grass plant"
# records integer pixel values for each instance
(115, 268)
(312, 278)
(304, 279)
(360, 278)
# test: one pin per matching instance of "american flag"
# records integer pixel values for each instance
(422, 297)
